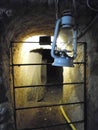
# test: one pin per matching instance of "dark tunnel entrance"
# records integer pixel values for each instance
(55, 77)
(54, 86)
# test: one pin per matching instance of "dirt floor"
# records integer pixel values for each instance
(41, 118)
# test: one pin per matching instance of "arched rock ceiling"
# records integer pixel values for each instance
(35, 17)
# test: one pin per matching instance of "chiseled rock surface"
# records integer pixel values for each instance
(6, 122)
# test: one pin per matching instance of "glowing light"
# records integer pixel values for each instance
(60, 43)
(28, 46)
(35, 45)
(33, 38)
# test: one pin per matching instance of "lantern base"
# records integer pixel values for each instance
(63, 61)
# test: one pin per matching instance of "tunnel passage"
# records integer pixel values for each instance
(22, 115)
(37, 20)
(26, 20)
(39, 95)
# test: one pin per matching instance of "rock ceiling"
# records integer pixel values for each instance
(35, 17)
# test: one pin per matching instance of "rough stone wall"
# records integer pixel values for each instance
(6, 112)
(92, 81)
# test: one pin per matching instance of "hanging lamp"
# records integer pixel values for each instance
(64, 46)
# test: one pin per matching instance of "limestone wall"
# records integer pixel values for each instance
(28, 75)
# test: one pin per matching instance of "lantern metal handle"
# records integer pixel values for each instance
(55, 38)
